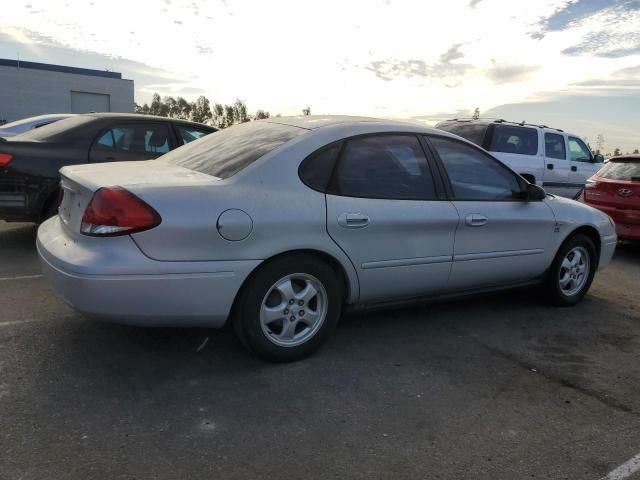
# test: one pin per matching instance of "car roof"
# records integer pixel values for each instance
(313, 122)
(501, 121)
(141, 116)
(632, 156)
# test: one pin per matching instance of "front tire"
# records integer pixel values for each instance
(572, 271)
(288, 308)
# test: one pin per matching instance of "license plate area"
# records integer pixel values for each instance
(68, 204)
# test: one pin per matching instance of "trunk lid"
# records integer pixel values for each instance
(622, 194)
(80, 182)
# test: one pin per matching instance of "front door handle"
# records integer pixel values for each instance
(476, 220)
(353, 220)
(574, 168)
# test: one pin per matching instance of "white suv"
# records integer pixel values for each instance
(558, 161)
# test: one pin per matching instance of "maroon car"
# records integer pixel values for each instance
(615, 190)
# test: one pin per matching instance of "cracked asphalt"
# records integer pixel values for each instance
(498, 387)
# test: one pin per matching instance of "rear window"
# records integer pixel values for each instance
(621, 170)
(52, 130)
(471, 131)
(228, 151)
(510, 139)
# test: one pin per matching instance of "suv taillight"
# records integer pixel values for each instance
(115, 211)
(5, 159)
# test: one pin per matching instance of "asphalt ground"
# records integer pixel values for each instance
(499, 387)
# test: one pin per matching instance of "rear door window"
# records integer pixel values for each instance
(383, 166)
(148, 139)
(514, 139)
(554, 146)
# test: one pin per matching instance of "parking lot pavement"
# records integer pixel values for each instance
(500, 387)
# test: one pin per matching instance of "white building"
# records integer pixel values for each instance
(29, 88)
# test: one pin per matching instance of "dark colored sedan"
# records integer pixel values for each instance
(615, 190)
(29, 163)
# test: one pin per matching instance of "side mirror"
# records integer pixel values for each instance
(598, 158)
(534, 193)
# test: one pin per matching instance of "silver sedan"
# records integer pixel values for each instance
(280, 225)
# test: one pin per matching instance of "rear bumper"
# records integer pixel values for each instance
(116, 282)
(627, 221)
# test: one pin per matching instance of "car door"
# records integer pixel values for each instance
(501, 237)
(557, 165)
(128, 141)
(555, 153)
(583, 164)
(384, 211)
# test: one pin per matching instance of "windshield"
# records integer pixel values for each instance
(621, 169)
(48, 132)
(228, 151)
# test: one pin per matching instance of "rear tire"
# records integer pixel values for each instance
(572, 271)
(288, 308)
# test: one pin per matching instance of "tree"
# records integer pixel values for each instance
(260, 114)
(306, 111)
(158, 107)
(218, 119)
(228, 116)
(201, 110)
(600, 142)
(476, 114)
(219, 116)
(240, 112)
(143, 109)
(172, 107)
(617, 152)
(635, 152)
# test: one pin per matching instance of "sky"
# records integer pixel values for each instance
(570, 64)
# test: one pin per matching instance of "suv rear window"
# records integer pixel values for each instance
(622, 169)
(512, 139)
(228, 151)
(470, 131)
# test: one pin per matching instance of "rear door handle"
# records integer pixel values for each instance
(574, 168)
(476, 220)
(353, 220)
(549, 166)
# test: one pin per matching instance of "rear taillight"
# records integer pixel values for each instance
(591, 184)
(5, 159)
(115, 211)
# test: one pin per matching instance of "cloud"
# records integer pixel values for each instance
(473, 3)
(573, 13)
(394, 68)
(607, 44)
(628, 72)
(42, 48)
(510, 73)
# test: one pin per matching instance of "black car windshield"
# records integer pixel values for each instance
(621, 169)
(224, 153)
(50, 131)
